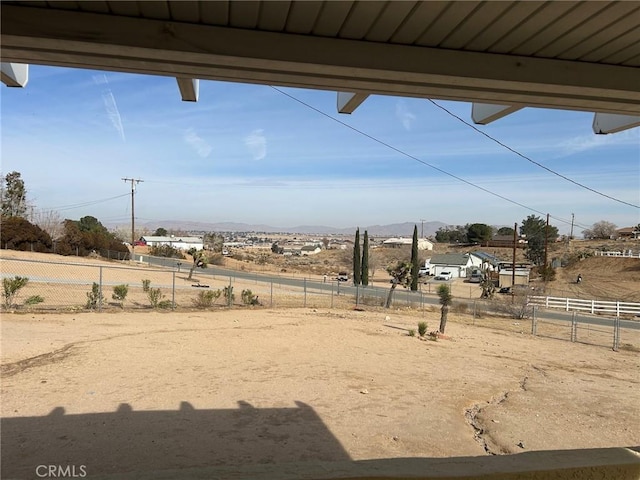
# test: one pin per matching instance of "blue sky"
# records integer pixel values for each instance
(248, 153)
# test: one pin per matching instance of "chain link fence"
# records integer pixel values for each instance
(78, 285)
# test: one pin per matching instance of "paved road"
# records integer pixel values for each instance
(405, 295)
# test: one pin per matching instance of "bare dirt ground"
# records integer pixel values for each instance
(126, 392)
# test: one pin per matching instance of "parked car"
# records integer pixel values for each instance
(423, 272)
(475, 278)
(343, 277)
(443, 276)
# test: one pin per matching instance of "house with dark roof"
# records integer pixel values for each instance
(489, 262)
(628, 232)
(459, 264)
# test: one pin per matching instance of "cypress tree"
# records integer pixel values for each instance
(356, 259)
(365, 260)
(415, 267)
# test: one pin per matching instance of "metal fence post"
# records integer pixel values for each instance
(271, 300)
(357, 295)
(100, 291)
(574, 327)
(173, 291)
(304, 281)
(534, 321)
(331, 306)
(616, 334)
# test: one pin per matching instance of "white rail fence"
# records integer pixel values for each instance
(623, 253)
(592, 306)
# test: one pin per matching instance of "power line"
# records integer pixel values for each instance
(564, 177)
(427, 164)
(85, 204)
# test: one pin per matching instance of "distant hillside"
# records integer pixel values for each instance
(392, 230)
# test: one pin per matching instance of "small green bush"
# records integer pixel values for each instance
(155, 297)
(94, 297)
(34, 300)
(120, 293)
(228, 294)
(146, 284)
(412, 333)
(247, 297)
(206, 298)
(165, 304)
(422, 328)
(11, 287)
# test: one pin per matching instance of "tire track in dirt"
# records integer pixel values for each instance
(61, 354)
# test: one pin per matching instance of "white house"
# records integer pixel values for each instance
(181, 243)
(310, 250)
(423, 243)
(459, 264)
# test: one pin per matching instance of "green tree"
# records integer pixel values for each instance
(505, 231)
(198, 257)
(400, 275)
(533, 229)
(160, 232)
(357, 269)
(19, 234)
(451, 234)
(446, 298)
(479, 233)
(11, 287)
(415, 261)
(365, 260)
(14, 196)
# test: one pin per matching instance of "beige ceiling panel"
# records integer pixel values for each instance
(215, 13)
(185, 11)
(424, 15)
(244, 14)
(155, 9)
(608, 51)
(394, 14)
(360, 20)
(483, 19)
(625, 33)
(587, 30)
(557, 27)
(627, 56)
(331, 18)
(448, 23)
(515, 23)
(303, 16)
(531, 25)
(273, 16)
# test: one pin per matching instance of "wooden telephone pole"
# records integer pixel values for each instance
(134, 182)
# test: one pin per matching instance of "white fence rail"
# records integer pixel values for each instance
(591, 306)
(623, 253)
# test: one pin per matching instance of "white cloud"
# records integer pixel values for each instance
(256, 142)
(196, 142)
(587, 142)
(110, 104)
(404, 115)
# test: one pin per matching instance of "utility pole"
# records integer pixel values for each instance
(546, 246)
(573, 215)
(513, 265)
(422, 227)
(134, 182)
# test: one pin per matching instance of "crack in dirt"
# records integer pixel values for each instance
(471, 415)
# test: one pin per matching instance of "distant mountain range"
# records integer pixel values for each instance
(393, 230)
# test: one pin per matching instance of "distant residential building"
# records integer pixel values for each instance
(458, 264)
(181, 243)
(310, 250)
(498, 241)
(423, 243)
(628, 232)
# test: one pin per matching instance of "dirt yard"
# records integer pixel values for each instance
(126, 392)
